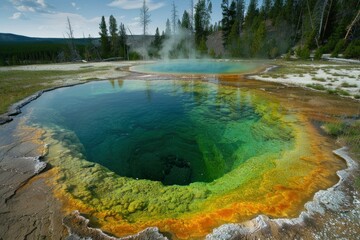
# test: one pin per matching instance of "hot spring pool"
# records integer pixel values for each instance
(185, 156)
(193, 66)
(172, 132)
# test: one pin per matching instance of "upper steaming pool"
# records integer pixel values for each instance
(196, 66)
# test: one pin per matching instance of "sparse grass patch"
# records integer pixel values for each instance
(348, 85)
(338, 91)
(92, 79)
(357, 96)
(319, 79)
(339, 75)
(357, 183)
(316, 86)
(342, 92)
(16, 85)
(348, 132)
(276, 76)
(334, 129)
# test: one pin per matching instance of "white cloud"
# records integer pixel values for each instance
(17, 15)
(56, 23)
(41, 3)
(134, 25)
(23, 8)
(75, 6)
(136, 4)
(30, 5)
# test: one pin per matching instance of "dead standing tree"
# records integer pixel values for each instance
(174, 17)
(144, 21)
(74, 54)
(352, 24)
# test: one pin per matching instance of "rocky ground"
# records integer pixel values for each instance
(334, 78)
(27, 208)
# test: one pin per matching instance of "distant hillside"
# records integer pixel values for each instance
(8, 37)
(13, 38)
(134, 41)
(17, 49)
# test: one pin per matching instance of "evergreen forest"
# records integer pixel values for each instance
(262, 29)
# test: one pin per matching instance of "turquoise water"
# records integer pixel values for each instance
(193, 66)
(175, 132)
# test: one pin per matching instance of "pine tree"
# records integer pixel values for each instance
(156, 45)
(114, 42)
(229, 19)
(252, 12)
(240, 9)
(203, 10)
(232, 14)
(277, 9)
(104, 38)
(123, 41)
(258, 41)
(266, 9)
(225, 21)
(289, 13)
(186, 22)
(168, 28)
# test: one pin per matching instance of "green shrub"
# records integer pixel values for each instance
(303, 52)
(353, 50)
(212, 53)
(319, 79)
(334, 129)
(338, 48)
(318, 53)
(134, 56)
(273, 52)
(288, 56)
(331, 91)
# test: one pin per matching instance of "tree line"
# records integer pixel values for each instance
(275, 27)
(113, 40)
(281, 26)
(263, 29)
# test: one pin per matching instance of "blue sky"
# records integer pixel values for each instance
(47, 18)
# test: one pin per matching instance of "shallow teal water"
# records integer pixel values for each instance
(193, 66)
(175, 132)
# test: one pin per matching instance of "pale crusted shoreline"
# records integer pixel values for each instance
(324, 77)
